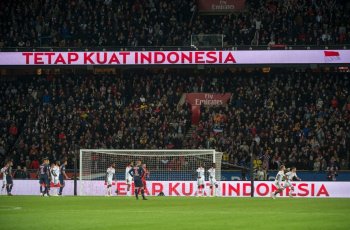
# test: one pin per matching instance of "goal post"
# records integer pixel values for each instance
(165, 166)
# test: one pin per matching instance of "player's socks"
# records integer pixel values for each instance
(137, 194)
(8, 189)
(44, 191)
(211, 191)
(143, 194)
(60, 192)
(200, 193)
(48, 190)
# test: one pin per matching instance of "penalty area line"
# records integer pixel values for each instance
(10, 208)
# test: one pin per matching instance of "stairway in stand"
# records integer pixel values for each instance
(190, 131)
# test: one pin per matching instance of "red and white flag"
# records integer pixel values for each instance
(331, 56)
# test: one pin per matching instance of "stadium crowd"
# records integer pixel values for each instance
(96, 23)
(299, 119)
(58, 114)
(295, 118)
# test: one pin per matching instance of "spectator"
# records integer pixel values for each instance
(343, 164)
(27, 162)
(261, 174)
(13, 130)
(26, 174)
(332, 169)
(257, 163)
(35, 164)
(317, 165)
(19, 173)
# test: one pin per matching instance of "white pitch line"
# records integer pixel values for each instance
(9, 208)
(145, 211)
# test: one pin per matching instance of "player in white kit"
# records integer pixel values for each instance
(278, 181)
(110, 175)
(128, 178)
(214, 185)
(289, 178)
(55, 182)
(200, 180)
(4, 183)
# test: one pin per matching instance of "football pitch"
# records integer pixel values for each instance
(33, 213)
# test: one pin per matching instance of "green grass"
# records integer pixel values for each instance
(65, 213)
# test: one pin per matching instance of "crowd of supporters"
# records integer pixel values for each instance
(96, 23)
(58, 114)
(294, 118)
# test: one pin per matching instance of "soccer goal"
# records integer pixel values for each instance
(165, 167)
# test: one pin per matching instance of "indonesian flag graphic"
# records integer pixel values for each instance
(331, 56)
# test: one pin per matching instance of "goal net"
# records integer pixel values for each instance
(165, 167)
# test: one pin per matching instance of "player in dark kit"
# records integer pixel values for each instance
(7, 174)
(44, 177)
(136, 172)
(63, 176)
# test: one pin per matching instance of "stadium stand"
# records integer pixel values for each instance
(97, 23)
(298, 118)
(294, 117)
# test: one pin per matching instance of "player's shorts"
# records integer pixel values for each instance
(109, 182)
(213, 181)
(44, 179)
(55, 180)
(200, 181)
(9, 179)
(278, 185)
(61, 179)
(128, 181)
(53, 185)
(288, 184)
(138, 182)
